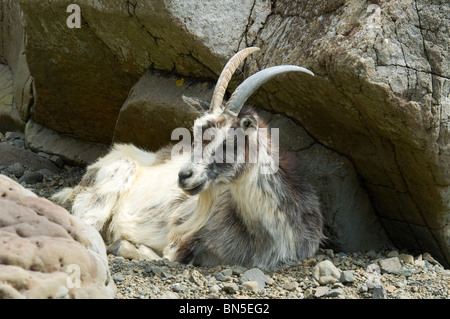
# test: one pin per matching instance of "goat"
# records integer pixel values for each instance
(203, 211)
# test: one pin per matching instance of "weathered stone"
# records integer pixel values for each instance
(406, 258)
(251, 285)
(254, 274)
(46, 252)
(347, 277)
(390, 265)
(326, 273)
(321, 291)
(31, 177)
(230, 287)
(16, 169)
(379, 292)
(290, 285)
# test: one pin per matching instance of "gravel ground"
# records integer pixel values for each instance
(357, 275)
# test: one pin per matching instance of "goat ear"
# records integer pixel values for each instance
(249, 122)
(198, 105)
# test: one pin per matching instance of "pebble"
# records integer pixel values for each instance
(254, 274)
(16, 169)
(31, 177)
(379, 292)
(290, 285)
(230, 288)
(326, 273)
(347, 277)
(390, 265)
(321, 291)
(251, 285)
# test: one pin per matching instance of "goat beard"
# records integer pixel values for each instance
(195, 222)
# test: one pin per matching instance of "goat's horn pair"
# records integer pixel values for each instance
(250, 85)
(225, 77)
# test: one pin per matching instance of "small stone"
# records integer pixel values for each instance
(374, 268)
(392, 254)
(321, 291)
(269, 281)
(196, 277)
(373, 282)
(406, 258)
(335, 293)
(179, 288)
(32, 177)
(390, 265)
(403, 272)
(371, 254)
(117, 277)
(347, 277)
(168, 295)
(156, 270)
(220, 277)
(290, 285)
(227, 272)
(214, 289)
(430, 259)
(230, 288)
(251, 285)
(254, 274)
(326, 273)
(16, 169)
(379, 292)
(239, 270)
(43, 155)
(390, 288)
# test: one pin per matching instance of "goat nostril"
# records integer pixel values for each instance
(182, 175)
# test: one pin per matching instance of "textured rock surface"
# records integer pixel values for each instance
(379, 97)
(72, 150)
(154, 108)
(46, 252)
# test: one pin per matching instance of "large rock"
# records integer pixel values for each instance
(9, 116)
(154, 108)
(379, 97)
(46, 252)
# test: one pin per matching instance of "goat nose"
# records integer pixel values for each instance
(184, 174)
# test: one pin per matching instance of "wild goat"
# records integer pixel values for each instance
(206, 211)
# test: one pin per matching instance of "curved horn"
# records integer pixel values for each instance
(225, 77)
(250, 85)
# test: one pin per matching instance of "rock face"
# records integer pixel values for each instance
(379, 98)
(46, 252)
